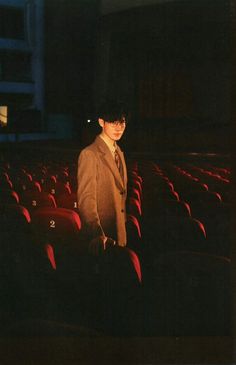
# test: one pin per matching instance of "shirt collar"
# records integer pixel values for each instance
(111, 145)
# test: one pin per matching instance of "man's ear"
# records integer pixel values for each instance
(101, 122)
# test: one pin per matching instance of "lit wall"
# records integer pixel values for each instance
(21, 56)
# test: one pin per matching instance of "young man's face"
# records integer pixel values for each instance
(113, 130)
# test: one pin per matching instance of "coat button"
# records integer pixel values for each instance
(121, 192)
(122, 210)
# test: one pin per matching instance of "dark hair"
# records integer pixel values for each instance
(111, 110)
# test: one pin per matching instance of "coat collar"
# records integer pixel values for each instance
(110, 162)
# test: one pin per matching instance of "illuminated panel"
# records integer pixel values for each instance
(3, 116)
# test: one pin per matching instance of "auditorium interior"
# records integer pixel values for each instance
(173, 64)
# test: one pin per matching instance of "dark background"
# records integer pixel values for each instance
(173, 63)
(170, 62)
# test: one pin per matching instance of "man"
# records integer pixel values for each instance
(102, 183)
(101, 194)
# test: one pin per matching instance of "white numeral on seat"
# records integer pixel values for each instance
(52, 224)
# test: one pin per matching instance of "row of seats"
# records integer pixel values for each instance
(185, 256)
(134, 208)
(173, 200)
(170, 194)
(54, 278)
(53, 191)
(175, 251)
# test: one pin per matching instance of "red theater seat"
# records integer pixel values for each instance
(189, 295)
(8, 196)
(4, 175)
(35, 199)
(134, 207)
(6, 184)
(21, 186)
(14, 216)
(63, 176)
(134, 235)
(60, 229)
(120, 286)
(206, 197)
(57, 222)
(134, 193)
(217, 221)
(49, 184)
(134, 183)
(68, 201)
(56, 187)
(172, 208)
(73, 183)
(39, 174)
(135, 177)
(62, 188)
(21, 179)
(175, 233)
(24, 264)
(202, 203)
(15, 227)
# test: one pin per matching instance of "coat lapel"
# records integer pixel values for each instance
(106, 155)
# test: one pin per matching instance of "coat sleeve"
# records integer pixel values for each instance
(87, 194)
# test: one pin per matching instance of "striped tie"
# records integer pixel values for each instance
(117, 160)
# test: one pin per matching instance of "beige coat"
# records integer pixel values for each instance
(102, 192)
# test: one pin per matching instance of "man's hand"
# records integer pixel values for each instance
(110, 242)
(99, 244)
